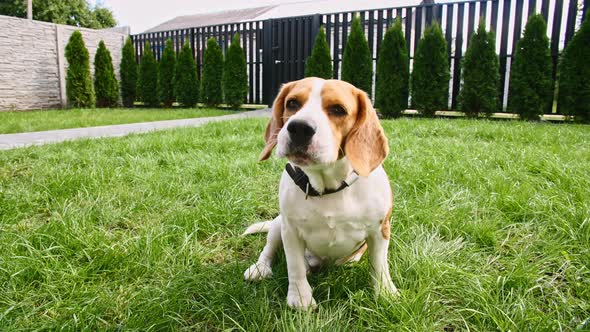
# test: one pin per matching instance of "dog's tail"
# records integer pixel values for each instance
(259, 227)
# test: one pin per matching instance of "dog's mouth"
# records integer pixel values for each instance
(300, 158)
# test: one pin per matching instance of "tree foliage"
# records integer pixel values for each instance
(235, 74)
(481, 74)
(319, 64)
(106, 86)
(186, 79)
(530, 73)
(357, 62)
(166, 74)
(574, 75)
(71, 12)
(430, 76)
(391, 90)
(212, 93)
(128, 72)
(147, 84)
(78, 80)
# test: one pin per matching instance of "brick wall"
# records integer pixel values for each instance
(33, 65)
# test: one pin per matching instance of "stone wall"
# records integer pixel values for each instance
(33, 65)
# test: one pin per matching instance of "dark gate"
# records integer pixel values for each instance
(287, 43)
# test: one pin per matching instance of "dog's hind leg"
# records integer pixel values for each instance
(262, 268)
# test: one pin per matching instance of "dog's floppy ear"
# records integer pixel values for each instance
(276, 122)
(366, 144)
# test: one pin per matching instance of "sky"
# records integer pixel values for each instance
(141, 15)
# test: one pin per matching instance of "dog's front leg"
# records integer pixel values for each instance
(378, 249)
(299, 295)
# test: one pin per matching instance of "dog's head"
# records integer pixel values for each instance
(316, 122)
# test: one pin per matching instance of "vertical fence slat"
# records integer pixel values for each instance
(408, 31)
(161, 44)
(532, 7)
(371, 32)
(418, 27)
(555, 33)
(504, 45)
(258, 58)
(242, 31)
(285, 52)
(517, 23)
(345, 23)
(134, 39)
(571, 21)
(248, 48)
(267, 29)
(156, 45)
(494, 18)
(483, 8)
(225, 34)
(196, 50)
(328, 28)
(449, 29)
(545, 9)
(296, 44)
(336, 48)
(555, 43)
(470, 22)
(380, 30)
(437, 15)
(458, 54)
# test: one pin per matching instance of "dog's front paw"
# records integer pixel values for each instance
(257, 272)
(386, 288)
(300, 298)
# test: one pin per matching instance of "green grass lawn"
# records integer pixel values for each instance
(490, 232)
(19, 122)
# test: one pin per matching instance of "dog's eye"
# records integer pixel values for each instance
(337, 110)
(293, 105)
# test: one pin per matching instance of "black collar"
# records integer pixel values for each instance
(302, 181)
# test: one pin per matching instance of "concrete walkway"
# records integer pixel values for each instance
(12, 141)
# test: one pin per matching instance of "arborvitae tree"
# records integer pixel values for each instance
(128, 72)
(481, 75)
(235, 75)
(147, 84)
(574, 75)
(166, 75)
(391, 90)
(212, 73)
(319, 64)
(106, 86)
(78, 80)
(530, 73)
(357, 62)
(186, 82)
(430, 77)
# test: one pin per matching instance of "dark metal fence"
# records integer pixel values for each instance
(276, 49)
(251, 34)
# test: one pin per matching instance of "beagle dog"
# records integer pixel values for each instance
(334, 196)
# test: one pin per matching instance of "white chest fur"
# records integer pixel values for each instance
(334, 225)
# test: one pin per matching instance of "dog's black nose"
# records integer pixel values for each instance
(300, 132)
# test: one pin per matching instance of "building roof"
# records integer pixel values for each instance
(283, 10)
(207, 19)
